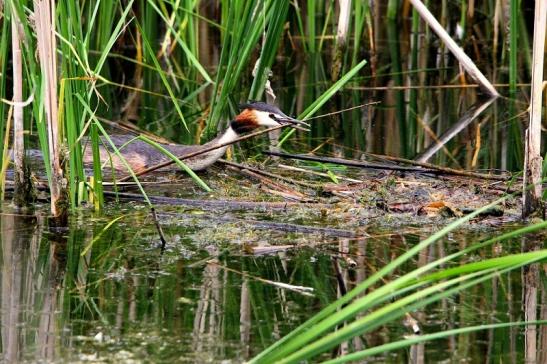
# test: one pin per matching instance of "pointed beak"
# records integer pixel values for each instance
(294, 123)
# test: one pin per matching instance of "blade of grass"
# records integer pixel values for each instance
(357, 356)
(150, 52)
(191, 57)
(114, 148)
(490, 267)
(287, 342)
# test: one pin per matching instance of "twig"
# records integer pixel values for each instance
(284, 193)
(305, 291)
(446, 170)
(343, 110)
(464, 59)
(471, 114)
(427, 168)
(339, 276)
(293, 194)
(426, 87)
(350, 163)
(271, 175)
(298, 169)
(270, 249)
(158, 227)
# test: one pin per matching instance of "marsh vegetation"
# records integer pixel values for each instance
(390, 231)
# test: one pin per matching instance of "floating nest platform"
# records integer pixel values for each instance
(344, 196)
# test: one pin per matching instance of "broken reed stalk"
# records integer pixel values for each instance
(440, 141)
(445, 170)
(44, 17)
(344, 19)
(464, 59)
(532, 160)
(199, 152)
(271, 175)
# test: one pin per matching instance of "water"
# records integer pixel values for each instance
(232, 279)
(103, 291)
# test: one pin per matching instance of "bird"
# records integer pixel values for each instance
(140, 155)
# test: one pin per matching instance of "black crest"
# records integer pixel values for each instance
(261, 106)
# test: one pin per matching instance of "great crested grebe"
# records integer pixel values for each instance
(140, 155)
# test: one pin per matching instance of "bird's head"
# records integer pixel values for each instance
(257, 114)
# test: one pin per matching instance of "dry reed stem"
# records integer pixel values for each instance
(533, 160)
(18, 117)
(464, 59)
(344, 18)
(44, 16)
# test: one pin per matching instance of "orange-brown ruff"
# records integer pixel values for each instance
(140, 155)
(245, 121)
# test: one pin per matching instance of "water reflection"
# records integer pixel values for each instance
(30, 287)
(440, 141)
(93, 294)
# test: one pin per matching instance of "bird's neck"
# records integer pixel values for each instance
(204, 160)
(228, 136)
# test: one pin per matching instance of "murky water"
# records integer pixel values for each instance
(103, 291)
(233, 279)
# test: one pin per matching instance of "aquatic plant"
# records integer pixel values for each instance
(377, 300)
(178, 68)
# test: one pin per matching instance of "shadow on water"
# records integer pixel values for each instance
(98, 292)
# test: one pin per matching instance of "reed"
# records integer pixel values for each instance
(532, 197)
(147, 62)
(246, 21)
(23, 186)
(515, 158)
(47, 48)
(4, 56)
(269, 49)
(397, 74)
(413, 68)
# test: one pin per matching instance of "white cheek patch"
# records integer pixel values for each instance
(263, 118)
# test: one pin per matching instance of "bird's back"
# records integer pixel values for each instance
(137, 153)
(140, 155)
